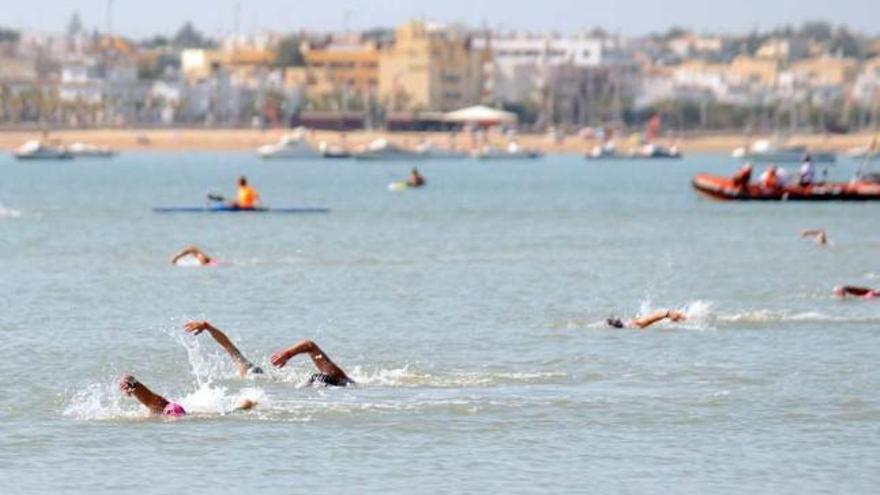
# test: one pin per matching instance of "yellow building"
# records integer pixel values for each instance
(350, 68)
(430, 68)
(748, 70)
(826, 71)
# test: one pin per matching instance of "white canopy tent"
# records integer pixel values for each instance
(482, 116)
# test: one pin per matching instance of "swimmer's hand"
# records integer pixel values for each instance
(196, 327)
(279, 358)
(127, 384)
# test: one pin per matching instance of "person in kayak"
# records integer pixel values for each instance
(851, 290)
(415, 179)
(818, 234)
(329, 374)
(247, 197)
(159, 405)
(807, 172)
(642, 322)
(195, 253)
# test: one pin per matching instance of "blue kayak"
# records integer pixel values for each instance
(232, 209)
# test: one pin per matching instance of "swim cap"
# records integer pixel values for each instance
(174, 409)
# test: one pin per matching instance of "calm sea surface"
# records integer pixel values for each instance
(470, 313)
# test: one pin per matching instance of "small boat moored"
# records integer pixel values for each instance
(79, 149)
(289, 146)
(763, 151)
(36, 150)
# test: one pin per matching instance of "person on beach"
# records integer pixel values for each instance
(195, 253)
(415, 179)
(854, 291)
(642, 322)
(817, 234)
(329, 374)
(159, 405)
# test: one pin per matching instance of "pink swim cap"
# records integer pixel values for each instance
(174, 409)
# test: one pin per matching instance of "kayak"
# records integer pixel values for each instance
(398, 186)
(722, 188)
(232, 209)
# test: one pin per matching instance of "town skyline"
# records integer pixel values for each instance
(163, 17)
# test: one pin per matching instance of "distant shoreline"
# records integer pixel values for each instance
(189, 139)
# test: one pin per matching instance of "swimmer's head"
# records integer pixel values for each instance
(614, 322)
(839, 291)
(256, 370)
(242, 180)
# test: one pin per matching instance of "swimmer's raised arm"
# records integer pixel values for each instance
(133, 388)
(241, 362)
(280, 357)
(819, 234)
(191, 251)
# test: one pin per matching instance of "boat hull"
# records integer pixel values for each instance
(231, 209)
(722, 188)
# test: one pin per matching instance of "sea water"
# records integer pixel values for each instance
(470, 312)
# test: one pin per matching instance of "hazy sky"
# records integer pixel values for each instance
(141, 18)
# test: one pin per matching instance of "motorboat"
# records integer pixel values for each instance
(428, 150)
(290, 146)
(606, 150)
(90, 150)
(328, 150)
(513, 152)
(861, 152)
(724, 188)
(382, 149)
(657, 151)
(764, 151)
(37, 150)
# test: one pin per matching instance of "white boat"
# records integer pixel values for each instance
(382, 149)
(657, 151)
(290, 146)
(428, 150)
(333, 150)
(512, 152)
(36, 150)
(90, 150)
(864, 152)
(763, 151)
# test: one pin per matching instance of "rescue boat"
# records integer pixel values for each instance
(723, 188)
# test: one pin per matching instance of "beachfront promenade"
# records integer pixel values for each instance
(248, 139)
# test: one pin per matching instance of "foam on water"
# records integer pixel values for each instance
(9, 212)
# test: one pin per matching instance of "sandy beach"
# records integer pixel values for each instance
(248, 139)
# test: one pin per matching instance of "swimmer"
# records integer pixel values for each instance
(851, 290)
(159, 405)
(196, 253)
(415, 179)
(818, 234)
(329, 374)
(646, 321)
(151, 400)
